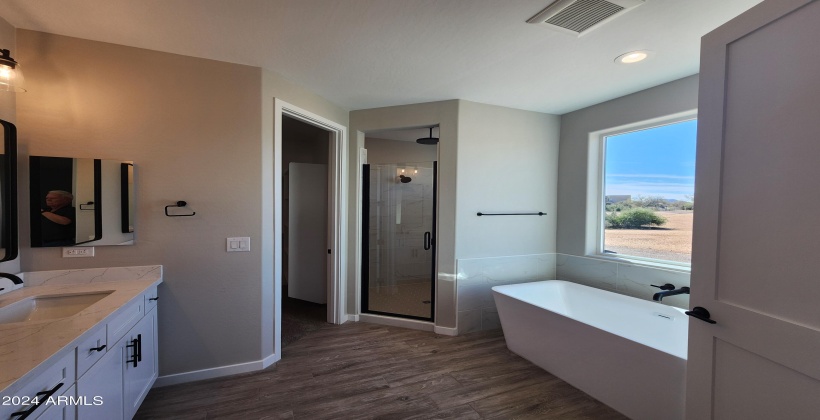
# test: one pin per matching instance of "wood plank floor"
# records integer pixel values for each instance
(367, 371)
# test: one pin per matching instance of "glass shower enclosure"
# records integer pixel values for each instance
(399, 225)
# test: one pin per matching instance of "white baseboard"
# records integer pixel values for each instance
(404, 323)
(273, 358)
(446, 331)
(198, 375)
(397, 322)
(351, 318)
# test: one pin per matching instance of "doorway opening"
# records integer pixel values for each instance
(305, 156)
(331, 238)
(399, 224)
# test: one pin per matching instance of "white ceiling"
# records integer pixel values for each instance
(372, 53)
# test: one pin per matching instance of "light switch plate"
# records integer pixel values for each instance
(239, 244)
(78, 251)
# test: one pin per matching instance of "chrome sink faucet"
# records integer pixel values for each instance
(668, 290)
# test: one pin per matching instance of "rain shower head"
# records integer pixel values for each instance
(428, 140)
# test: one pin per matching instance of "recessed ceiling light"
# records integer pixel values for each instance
(632, 57)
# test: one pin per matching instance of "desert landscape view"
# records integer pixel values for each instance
(672, 241)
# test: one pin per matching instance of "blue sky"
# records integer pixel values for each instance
(658, 161)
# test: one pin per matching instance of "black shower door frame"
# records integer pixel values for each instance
(365, 267)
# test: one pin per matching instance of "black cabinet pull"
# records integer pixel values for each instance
(154, 298)
(100, 348)
(134, 358)
(45, 396)
(428, 238)
(137, 345)
(701, 314)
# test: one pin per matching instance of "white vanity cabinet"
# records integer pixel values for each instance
(61, 411)
(105, 375)
(54, 381)
(141, 368)
(102, 382)
(91, 350)
(123, 377)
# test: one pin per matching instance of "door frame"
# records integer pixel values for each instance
(337, 212)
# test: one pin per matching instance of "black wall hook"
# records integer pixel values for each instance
(178, 204)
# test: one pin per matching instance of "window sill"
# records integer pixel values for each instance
(661, 265)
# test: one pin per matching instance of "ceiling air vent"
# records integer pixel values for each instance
(580, 16)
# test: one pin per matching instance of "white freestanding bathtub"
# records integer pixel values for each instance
(626, 352)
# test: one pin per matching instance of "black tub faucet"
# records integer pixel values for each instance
(668, 290)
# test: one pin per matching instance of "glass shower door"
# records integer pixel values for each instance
(398, 259)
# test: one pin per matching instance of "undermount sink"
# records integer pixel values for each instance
(40, 308)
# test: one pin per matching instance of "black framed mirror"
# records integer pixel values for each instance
(66, 206)
(127, 197)
(8, 193)
(101, 205)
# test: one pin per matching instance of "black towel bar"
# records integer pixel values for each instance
(540, 213)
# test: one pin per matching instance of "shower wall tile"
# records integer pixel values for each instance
(636, 281)
(473, 295)
(591, 272)
(469, 321)
(477, 276)
(504, 270)
(621, 277)
(490, 319)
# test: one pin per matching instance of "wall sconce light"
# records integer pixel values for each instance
(11, 77)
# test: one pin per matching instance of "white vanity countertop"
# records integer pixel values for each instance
(26, 345)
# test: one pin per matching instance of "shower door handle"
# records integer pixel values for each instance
(428, 238)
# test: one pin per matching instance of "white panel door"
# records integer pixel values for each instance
(757, 223)
(307, 232)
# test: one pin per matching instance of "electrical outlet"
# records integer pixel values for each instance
(241, 244)
(78, 251)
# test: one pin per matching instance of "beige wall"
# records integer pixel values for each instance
(276, 87)
(507, 162)
(578, 192)
(398, 151)
(667, 99)
(491, 158)
(445, 114)
(8, 112)
(192, 137)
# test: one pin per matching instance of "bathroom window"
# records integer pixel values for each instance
(648, 192)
